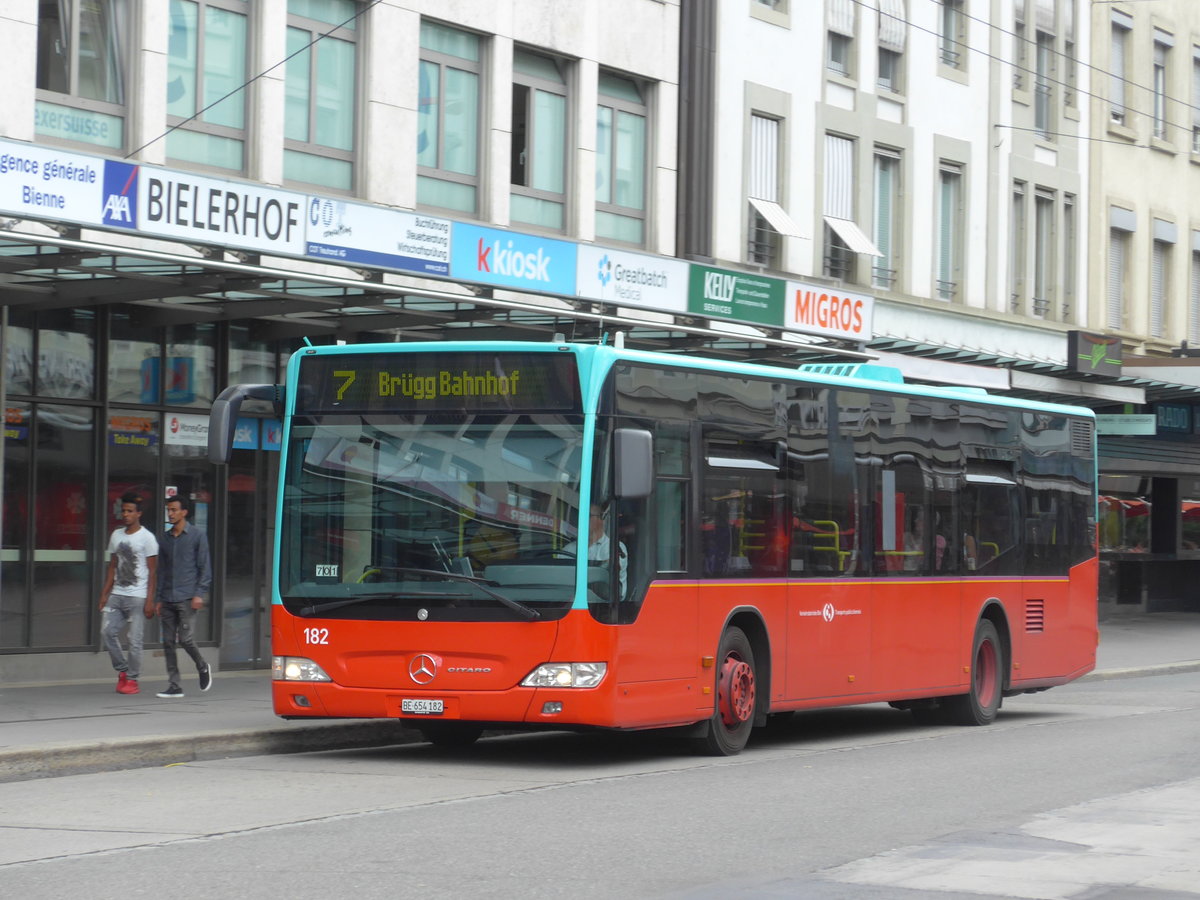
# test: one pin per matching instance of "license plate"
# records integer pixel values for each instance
(422, 706)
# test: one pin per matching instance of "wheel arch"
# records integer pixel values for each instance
(751, 621)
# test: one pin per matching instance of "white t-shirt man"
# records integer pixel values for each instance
(132, 576)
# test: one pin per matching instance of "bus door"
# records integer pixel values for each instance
(829, 616)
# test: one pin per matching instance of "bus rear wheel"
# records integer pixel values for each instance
(729, 728)
(980, 705)
(450, 735)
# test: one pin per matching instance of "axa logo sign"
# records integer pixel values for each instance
(120, 195)
(515, 260)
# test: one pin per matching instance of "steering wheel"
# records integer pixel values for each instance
(552, 554)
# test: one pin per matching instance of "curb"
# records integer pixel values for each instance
(71, 758)
(1192, 665)
(55, 760)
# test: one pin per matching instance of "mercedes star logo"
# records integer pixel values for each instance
(422, 669)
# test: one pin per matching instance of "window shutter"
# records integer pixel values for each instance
(839, 16)
(839, 177)
(1116, 64)
(1194, 304)
(892, 27)
(1043, 16)
(1116, 278)
(1158, 287)
(764, 158)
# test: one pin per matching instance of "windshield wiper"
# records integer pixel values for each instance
(314, 608)
(525, 612)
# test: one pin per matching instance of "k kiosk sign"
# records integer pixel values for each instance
(510, 259)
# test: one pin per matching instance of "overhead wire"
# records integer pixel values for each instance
(249, 81)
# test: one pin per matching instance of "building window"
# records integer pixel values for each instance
(1118, 54)
(1071, 80)
(320, 93)
(1016, 248)
(1196, 99)
(1120, 229)
(839, 55)
(892, 34)
(950, 231)
(206, 65)
(1043, 98)
(539, 140)
(1020, 46)
(82, 62)
(839, 204)
(1043, 253)
(768, 221)
(884, 267)
(1160, 275)
(1162, 51)
(621, 160)
(950, 34)
(1069, 260)
(1193, 330)
(448, 119)
(843, 240)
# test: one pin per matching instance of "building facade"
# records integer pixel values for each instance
(236, 130)
(191, 189)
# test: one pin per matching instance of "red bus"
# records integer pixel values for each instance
(568, 536)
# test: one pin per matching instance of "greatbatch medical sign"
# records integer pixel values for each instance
(52, 185)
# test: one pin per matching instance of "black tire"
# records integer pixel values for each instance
(450, 735)
(735, 694)
(980, 705)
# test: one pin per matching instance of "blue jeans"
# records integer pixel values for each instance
(176, 623)
(120, 611)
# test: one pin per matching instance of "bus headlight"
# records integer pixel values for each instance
(296, 668)
(566, 675)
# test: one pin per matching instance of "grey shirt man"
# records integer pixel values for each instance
(184, 568)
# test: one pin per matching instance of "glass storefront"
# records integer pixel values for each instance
(75, 440)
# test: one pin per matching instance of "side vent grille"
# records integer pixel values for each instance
(1081, 438)
(1035, 616)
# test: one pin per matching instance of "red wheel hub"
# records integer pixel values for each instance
(987, 674)
(735, 691)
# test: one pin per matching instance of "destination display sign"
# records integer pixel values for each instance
(438, 382)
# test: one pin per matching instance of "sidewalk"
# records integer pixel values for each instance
(68, 728)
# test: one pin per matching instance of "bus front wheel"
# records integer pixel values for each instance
(736, 687)
(980, 705)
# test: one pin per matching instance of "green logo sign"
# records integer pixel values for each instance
(738, 296)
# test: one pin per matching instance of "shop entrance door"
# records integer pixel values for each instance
(245, 637)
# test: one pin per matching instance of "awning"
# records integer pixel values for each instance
(854, 237)
(777, 217)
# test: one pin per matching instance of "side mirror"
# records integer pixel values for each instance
(225, 409)
(633, 449)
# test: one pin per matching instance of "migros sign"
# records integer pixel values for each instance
(820, 310)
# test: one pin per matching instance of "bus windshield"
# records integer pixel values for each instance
(404, 516)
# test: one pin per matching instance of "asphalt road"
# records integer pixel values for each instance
(1089, 790)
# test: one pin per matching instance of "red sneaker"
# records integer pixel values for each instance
(129, 687)
(121, 679)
